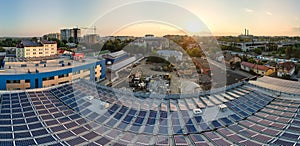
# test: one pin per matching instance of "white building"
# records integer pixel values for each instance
(286, 68)
(168, 53)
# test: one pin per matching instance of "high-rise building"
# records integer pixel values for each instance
(53, 35)
(66, 34)
(75, 33)
(90, 38)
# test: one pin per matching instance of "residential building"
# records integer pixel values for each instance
(232, 59)
(90, 38)
(286, 68)
(53, 36)
(258, 69)
(170, 53)
(66, 34)
(36, 49)
(202, 65)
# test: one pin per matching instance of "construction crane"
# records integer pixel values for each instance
(90, 28)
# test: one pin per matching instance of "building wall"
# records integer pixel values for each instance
(282, 72)
(246, 68)
(38, 51)
(35, 80)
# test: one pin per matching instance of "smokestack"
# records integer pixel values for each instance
(245, 31)
(248, 32)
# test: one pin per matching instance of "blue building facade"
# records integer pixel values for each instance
(36, 79)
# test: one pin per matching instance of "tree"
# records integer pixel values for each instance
(71, 40)
(2, 49)
(257, 51)
(288, 51)
(195, 52)
(65, 41)
(34, 39)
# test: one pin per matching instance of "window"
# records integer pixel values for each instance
(34, 53)
(48, 78)
(40, 52)
(27, 81)
(34, 49)
(27, 49)
(12, 81)
(76, 72)
(63, 75)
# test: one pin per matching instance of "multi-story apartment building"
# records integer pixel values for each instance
(66, 34)
(36, 49)
(54, 36)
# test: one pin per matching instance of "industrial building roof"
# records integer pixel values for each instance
(83, 113)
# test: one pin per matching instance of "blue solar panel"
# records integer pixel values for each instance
(138, 121)
(132, 112)
(128, 118)
(198, 119)
(111, 122)
(20, 128)
(235, 117)
(5, 122)
(177, 130)
(123, 125)
(191, 128)
(5, 136)
(226, 121)
(142, 114)
(102, 141)
(163, 130)
(135, 128)
(175, 122)
(25, 142)
(149, 129)
(152, 114)
(43, 140)
(5, 116)
(6, 143)
(204, 126)
(35, 126)
(39, 132)
(22, 135)
(118, 116)
(151, 121)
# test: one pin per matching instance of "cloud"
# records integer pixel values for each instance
(269, 13)
(248, 10)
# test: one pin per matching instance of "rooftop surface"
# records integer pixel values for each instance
(51, 65)
(83, 113)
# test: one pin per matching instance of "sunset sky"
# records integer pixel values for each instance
(159, 17)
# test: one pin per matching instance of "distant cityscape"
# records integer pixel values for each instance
(66, 56)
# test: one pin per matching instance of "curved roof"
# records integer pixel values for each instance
(82, 113)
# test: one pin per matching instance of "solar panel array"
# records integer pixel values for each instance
(82, 113)
(285, 86)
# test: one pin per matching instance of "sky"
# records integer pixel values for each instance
(19, 18)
